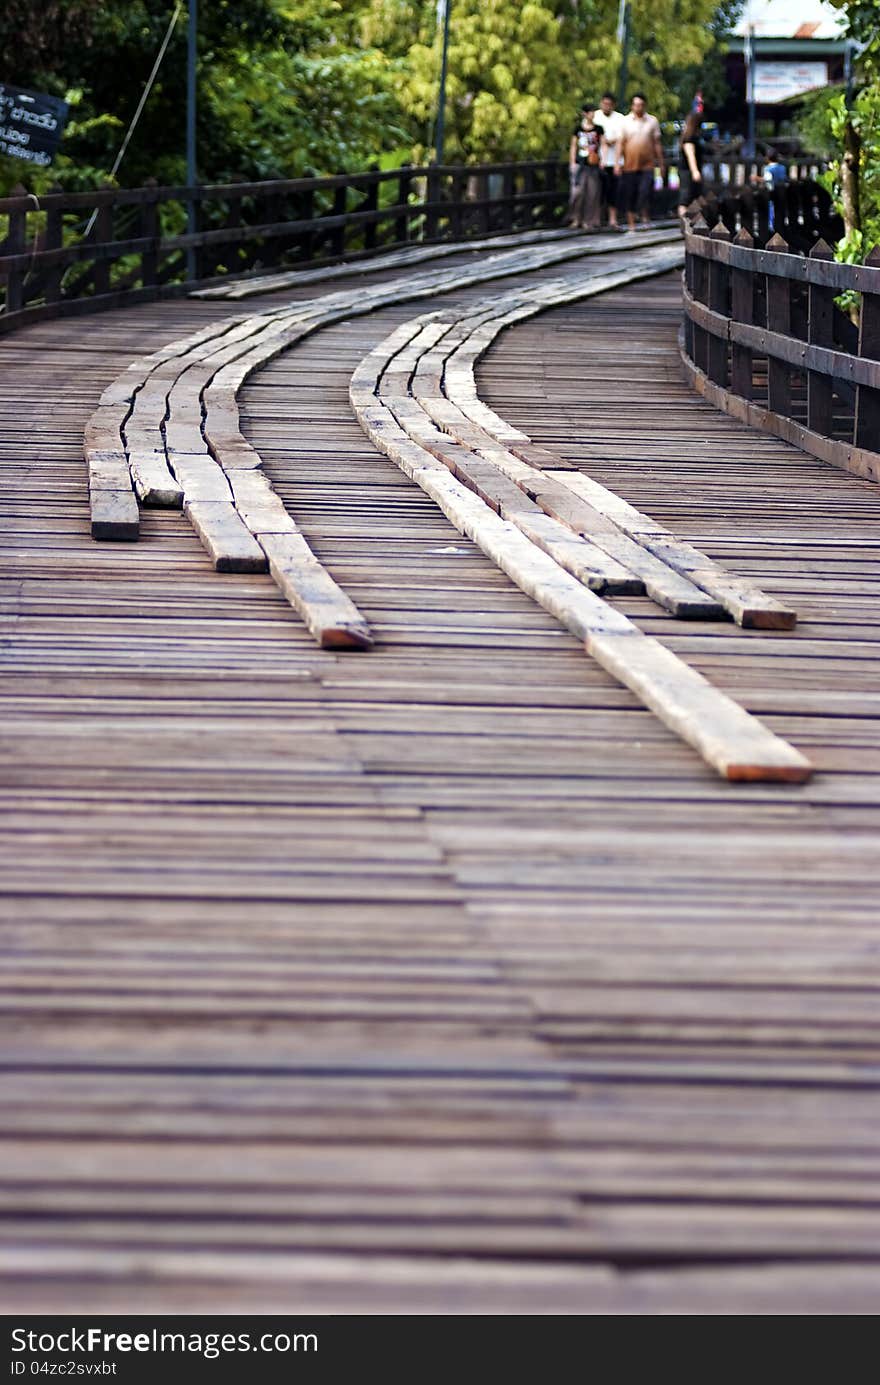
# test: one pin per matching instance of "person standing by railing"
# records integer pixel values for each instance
(639, 152)
(585, 156)
(691, 164)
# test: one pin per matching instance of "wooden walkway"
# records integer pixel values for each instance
(441, 977)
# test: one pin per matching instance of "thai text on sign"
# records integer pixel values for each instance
(31, 124)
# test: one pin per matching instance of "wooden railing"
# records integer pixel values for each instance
(74, 252)
(765, 340)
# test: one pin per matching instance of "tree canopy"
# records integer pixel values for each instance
(292, 87)
(845, 127)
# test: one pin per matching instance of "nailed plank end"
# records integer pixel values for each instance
(114, 515)
(346, 637)
(768, 774)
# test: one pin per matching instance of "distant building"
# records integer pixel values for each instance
(797, 46)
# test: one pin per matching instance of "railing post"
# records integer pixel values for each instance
(271, 245)
(404, 183)
(102, 235)
(306, 212)
(507, 220)
(484, 215)
(778, 320)
(456, 207)
(820, 332)
(716, 363)
(53, 240)
(867, 425)
(528, 206)
(340, 206)
(149, 229)
(371, 204)
(742, 309)
(700, 291)
(432, 196)
(16, 244)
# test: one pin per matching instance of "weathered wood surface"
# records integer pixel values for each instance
(486, 493)
(444, 977)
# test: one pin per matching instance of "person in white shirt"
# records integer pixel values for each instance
(611, 122)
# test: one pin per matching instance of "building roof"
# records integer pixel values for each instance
(791, 19)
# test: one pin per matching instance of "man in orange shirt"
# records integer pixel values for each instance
(639, 152)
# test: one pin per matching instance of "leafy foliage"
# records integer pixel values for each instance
(830, 126)
(292, 87)
(285, 88)
(518, 71)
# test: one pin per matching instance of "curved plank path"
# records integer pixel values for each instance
(440, 976)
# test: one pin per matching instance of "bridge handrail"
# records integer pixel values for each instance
(765, 340)
(141, 243)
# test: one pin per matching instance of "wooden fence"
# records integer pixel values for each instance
(767, 338)
(73, 252)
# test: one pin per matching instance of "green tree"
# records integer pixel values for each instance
(286, 87)
(518, 71)
(845, 126)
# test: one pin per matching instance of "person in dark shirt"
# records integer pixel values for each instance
(691, 165)
(585, 157)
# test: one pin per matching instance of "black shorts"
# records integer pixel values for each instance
(688, 191)
(609, 185)
(636, 189)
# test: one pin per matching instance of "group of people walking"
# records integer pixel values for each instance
(613, 159)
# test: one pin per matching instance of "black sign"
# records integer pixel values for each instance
(31, 124)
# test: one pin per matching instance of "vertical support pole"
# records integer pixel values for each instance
(340, 205)
(404, 183)
(507, 221)
(700, 291)
(742, 309)
(271, 246)
(192, 216)
(689, 259)
(149, 229)
(820, 332)
(440, 142)
(528, 215)
(231, 250)
(749, 47)
(306, 213)
(483, 220)
(456, 207)
(432, 197)
(16, 244)
(719, 275)
(52, 241)
(371, 204)
(623, 36)
(778, 320)
(867, 426)
(103, 233)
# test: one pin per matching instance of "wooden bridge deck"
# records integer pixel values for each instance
(442, 977)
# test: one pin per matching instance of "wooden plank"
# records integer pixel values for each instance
(732, 741)
(114, 515)
(153, 480)
(231, 545)
(748, 605)
(331, 617)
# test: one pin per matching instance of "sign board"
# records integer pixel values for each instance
(777, 81)
(31, 124)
